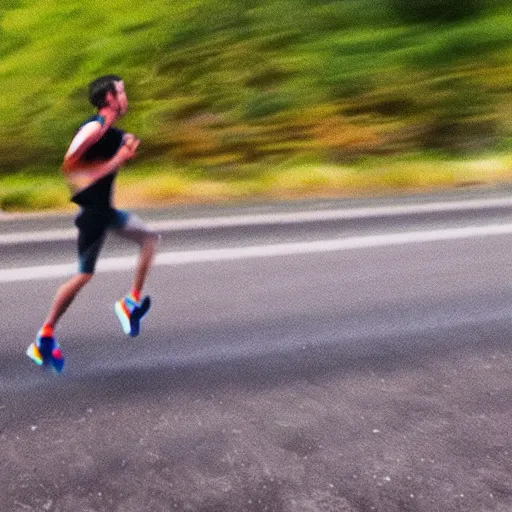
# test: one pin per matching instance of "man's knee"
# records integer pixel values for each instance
(73, 285)
(84, 277)
(151, 240)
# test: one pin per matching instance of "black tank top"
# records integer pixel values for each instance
(98, 195)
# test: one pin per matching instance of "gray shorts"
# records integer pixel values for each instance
(92, 227)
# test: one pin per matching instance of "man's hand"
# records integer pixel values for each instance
(129, 148)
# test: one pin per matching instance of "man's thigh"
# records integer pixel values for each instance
(130, 226)
(91, 236)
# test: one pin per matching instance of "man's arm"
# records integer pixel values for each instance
(76, 169)
(82, 141)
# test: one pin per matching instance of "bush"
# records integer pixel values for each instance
(419, 11)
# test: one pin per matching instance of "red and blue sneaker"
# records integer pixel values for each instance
(46, 352)
(130, 313)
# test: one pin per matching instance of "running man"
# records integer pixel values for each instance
(90, 166)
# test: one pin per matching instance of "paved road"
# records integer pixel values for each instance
(368, 374)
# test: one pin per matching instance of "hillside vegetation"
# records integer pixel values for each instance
(229, 88)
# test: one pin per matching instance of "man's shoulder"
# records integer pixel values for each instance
(93, 119)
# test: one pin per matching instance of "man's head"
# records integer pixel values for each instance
(108, 91)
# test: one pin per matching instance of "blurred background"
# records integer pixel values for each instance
(237, 99)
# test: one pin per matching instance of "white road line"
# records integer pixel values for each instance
(274, 218)
(51, 235)
(261, 251)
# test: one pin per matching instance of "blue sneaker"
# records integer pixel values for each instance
(46, 352)
(130, 313)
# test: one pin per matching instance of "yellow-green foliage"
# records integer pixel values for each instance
(30, 191)
(159, 184)
(223, 83)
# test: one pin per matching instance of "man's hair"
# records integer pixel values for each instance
(99, 88)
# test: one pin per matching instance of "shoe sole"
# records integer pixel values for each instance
(34, 354)
(125, 321)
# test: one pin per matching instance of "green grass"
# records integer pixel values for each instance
(32, 192)
(160, 186)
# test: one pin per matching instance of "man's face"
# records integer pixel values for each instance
(119, 102)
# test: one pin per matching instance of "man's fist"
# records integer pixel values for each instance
(129, 147)
(131, 141)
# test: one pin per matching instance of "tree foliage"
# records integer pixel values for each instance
(418, 11)
(223, 82)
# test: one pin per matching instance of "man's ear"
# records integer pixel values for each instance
(109, 97)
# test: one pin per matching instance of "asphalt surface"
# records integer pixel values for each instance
(374, 378)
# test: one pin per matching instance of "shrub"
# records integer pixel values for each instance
(418, 11)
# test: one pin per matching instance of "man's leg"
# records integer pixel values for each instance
(131, 309)
(147, 252)
(131, 227)
(65, 296)
(45, 350)
(90, 242)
